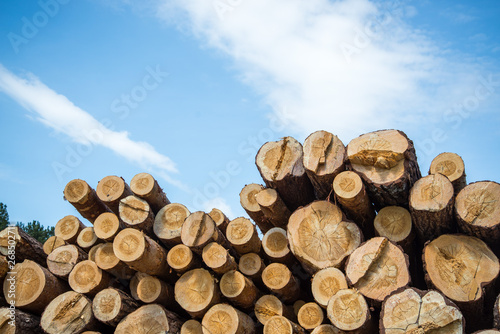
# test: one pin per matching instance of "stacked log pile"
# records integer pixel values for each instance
(341, 239)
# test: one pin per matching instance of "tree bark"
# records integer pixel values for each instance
(239, 290)
(152, 290)
(107, 226)
(349, 312)
(52, 243)
(273, 207)
(452, 166)
(243, 237)
(282, 325)
(68, 228)
(249, 202)
(19, 322)
(181, 259)
(235, 321)
(111, 190)
(145, 186)
(269, 306)
(87, 239)
(110, 306)
(136, 213)
(220, 219)
(18, 245)
(168, 223)
(84, 199)
(63, 259)
(326, 283)
(152, 318)
(106, 259)
(280, 280)
(218, 258)
(496, 313)
(310, 316)
(87, 278)
(199, 230)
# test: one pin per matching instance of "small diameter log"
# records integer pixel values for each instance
(269, 306)
(377, 268)
(252, 265)
(88, 278)
(418, 311)
(87, 239)
(319, 238)
(136, 213)
(452, 166)
(52, 243)
(275, 246)
(349, 312)
(325, 329)
(297, 305)
(281, 167)
(394, 223)
(106, 259)
(31, 287)
(142, 253)
(465, 270)
(281, 325)
(218, 258)
(68, 228)
(326, 283)
(273, 207)
(243, 237)
(93, 251)
(225, 319)
(63, 259)
(310, 316)
(279, 279)
(144, 185)
(324, 158)
(168, 223)
(181, 259)
(387, 163)
(110, 306)
(353, 198)
(239, 290)
(107, 226)
(199, 230)
(18, 246)
(111, 190)
(431, 206)
(252, 208)
(196, 291)
(152, 290)
(152, 318)
(69, 313)
(84, 199)
(134, 282)
(191, 327)
(477, 211)
(14, 321)
(220, 219)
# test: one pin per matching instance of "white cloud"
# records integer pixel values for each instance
(218, 203)
(59, 113)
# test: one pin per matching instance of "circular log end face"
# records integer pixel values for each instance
(134, 210)
(129, 245)
(76, 191)
(217, 216)
(326, 283)
(106, 304)
(6, 325)
(52, 243)
(68, 313)
(347, 310)
(460, 265)
(240, 231)
(67, 227)
(142, 184)
(347, 184)
(266, 197)
(394, 223)
(169, 220)
(379, 175)
(85, 276)
(450, 165)
(266, 307)
(106, 225)
(250, 264)
(479, 204)
(221, 319)
(276, 276)
(323, 153)
(275, 160)
(194, 290)
(110, 188)
(310, 316)
(29, 283)
(275, 242)
(247, 197)
(149, 289)
(191, 327)
(197, 229)
(325, 329)
(278, 325)
(146, 319)
(179, 256)
(105, 257)
(232, 284)
(87, 236)
(431, 193)
(214, 255)
(62, 259)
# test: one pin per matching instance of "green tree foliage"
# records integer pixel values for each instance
(4, 216)
(34, 228)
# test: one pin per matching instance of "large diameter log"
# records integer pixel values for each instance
(63, 259)
(196, 291)
(84, 199)
(324, 158)
(351, 194)
(243, 237)
(319, 238)
(52, 243)
(18, 246)
(69, 313)
(87, 278)
(191, 327)
(136, 213)
(269, 306)
(199, 230)
(452, 166)
(107, 226)
(387, 162)
(168, 223)
(252, 265)
(276, 247)
(310, 316)
(152, 318)
(68, 228)
(239, 290)
(281, 167)
(273, 207)
(106, 259)
(14, 321)
(349, 312)
(431, 206)
(280, 280)
(420, 311)
(31, 287)
(110, 306)
(220, 219)
(144, 185)
(142, 253)
(111, 190)
(225, 319)
(249, 202)
(377, 268)
(152, 290)
(218, 258)
(326, 283)
(282, 325)
(181, 259)
(465, 270)
(477, 211)
(87, 239)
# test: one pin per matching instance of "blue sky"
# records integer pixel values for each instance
(189, 90)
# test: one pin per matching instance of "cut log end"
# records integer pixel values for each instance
(273, 207)
(181, 258)
(280, 280)
(198, 230)
(110, 306)
(142, 184)
(269, 306)
(452, 166)
(87, 238)
(325, 329)
(191, 327)
(394, 223)
(251, 265)
(196, 291)
(129, 245)
(14, 321)
(87, 278)
(76, 191)
(281, 325)
(310, 316)
(107, 226)
(347, 185)
(275, 245)
(242, 235)
(218, 258)
(52, 243)
(168, 223)
(111, 190)
(68, 228)
(225, 319)
(152, 318)
(326, 283)
(219, 218)
(136, 213)
(348, 310)
(63, 259)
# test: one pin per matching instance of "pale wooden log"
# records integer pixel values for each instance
(239, 290)
(134, 282)
(282, 325)
(252, 265)
(68, 228)
(326, 283)
(324, 158)
(281, 167)
(136, 213)
(87, 278)
(196, 291)
(107, 226)
(87, 239)
(52, 243)
(225, 319)
(249, 202)
(496, 313)
(310, 316)
(31, 287)
(351, 194)
(152, 290)
(273, 207)
(243, 237)
(199, 230)
(487, 331)
(84, 199)
(181, 259)
(276, 247)
(63, 259)
(319, 238)
(220, 219)
(218, 258)
(452, 166)
(145, 186)
(325, 329)
(349, 312)
(280, 280)
(269, 306)
(106, 259)
(111, 305)
(191, 327)
(111, 190)
(93, 251)
(18, 246)
(168, 223)
(152, 318)
(13, 321)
